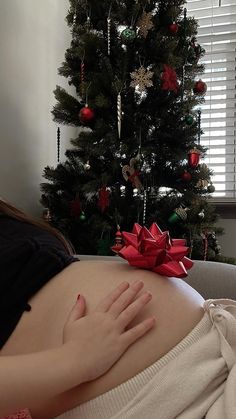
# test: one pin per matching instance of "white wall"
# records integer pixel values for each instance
(33, 39)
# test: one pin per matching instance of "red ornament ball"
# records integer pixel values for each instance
(200, 87)
(186, 176)
(173, 28)
(86, 115)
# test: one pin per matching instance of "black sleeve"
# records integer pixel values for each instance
(25, 267)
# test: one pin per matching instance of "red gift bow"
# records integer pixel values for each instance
(154, 250)
(169, 79)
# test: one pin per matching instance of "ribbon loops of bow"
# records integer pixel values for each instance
(154, 250)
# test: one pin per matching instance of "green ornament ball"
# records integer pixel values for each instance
(174, 218)
(189, 119)
(82, 216)
(128, 35)
(211, 188)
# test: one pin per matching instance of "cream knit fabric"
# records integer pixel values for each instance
(195, 380)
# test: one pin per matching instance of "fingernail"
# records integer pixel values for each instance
(78, 297)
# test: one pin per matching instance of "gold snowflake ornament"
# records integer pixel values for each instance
(141, 79)
(145, 23)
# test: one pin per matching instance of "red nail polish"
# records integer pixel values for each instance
(78, 297)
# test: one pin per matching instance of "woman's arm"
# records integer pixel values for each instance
(92, 345)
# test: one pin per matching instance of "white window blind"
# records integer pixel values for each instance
(217, 35)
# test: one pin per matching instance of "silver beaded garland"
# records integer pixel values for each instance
(144, 206)
(108, 35)
(119, 114)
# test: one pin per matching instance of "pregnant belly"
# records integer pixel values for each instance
(177, 307)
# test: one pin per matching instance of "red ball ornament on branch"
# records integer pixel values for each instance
(186, 176)
(86, 115)
(173, 28)
(200, 87)
(194, 157)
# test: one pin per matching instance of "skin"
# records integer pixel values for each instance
(175, 305)
(99, 339)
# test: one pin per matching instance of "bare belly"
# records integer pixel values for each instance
(177, 307)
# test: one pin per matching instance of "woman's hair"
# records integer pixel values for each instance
(13, 212)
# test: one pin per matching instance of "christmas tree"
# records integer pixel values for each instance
(138, 155)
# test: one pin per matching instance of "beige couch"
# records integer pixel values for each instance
(210, 279)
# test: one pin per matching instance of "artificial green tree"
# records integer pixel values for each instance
(138, 156)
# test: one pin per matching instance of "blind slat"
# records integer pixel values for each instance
(217, 35)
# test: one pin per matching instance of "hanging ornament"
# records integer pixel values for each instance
(87, 166)
(211, 188)
(118, 241)
(82, 66)
(141, 79)
(74, 18)
(88, 21)
(103, 200)
(47, 215)
(131, 174)
(86, 115)
(75, 208)
(128, 35)
(199, 87)
(82, 216)
(119, 114)
(169, 79)
(186, 176)
(58, 143)
(179, 214)
(189, 119)
(145, 23)
(201, 214)
(74, 26)
(144, 207)
(199, 112)
(173, 28)
(194, 157)
(108, 35)
(202, 183)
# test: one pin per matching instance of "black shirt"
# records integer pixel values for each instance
(29, 257)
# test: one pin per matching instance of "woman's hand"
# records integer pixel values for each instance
(101, 337)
